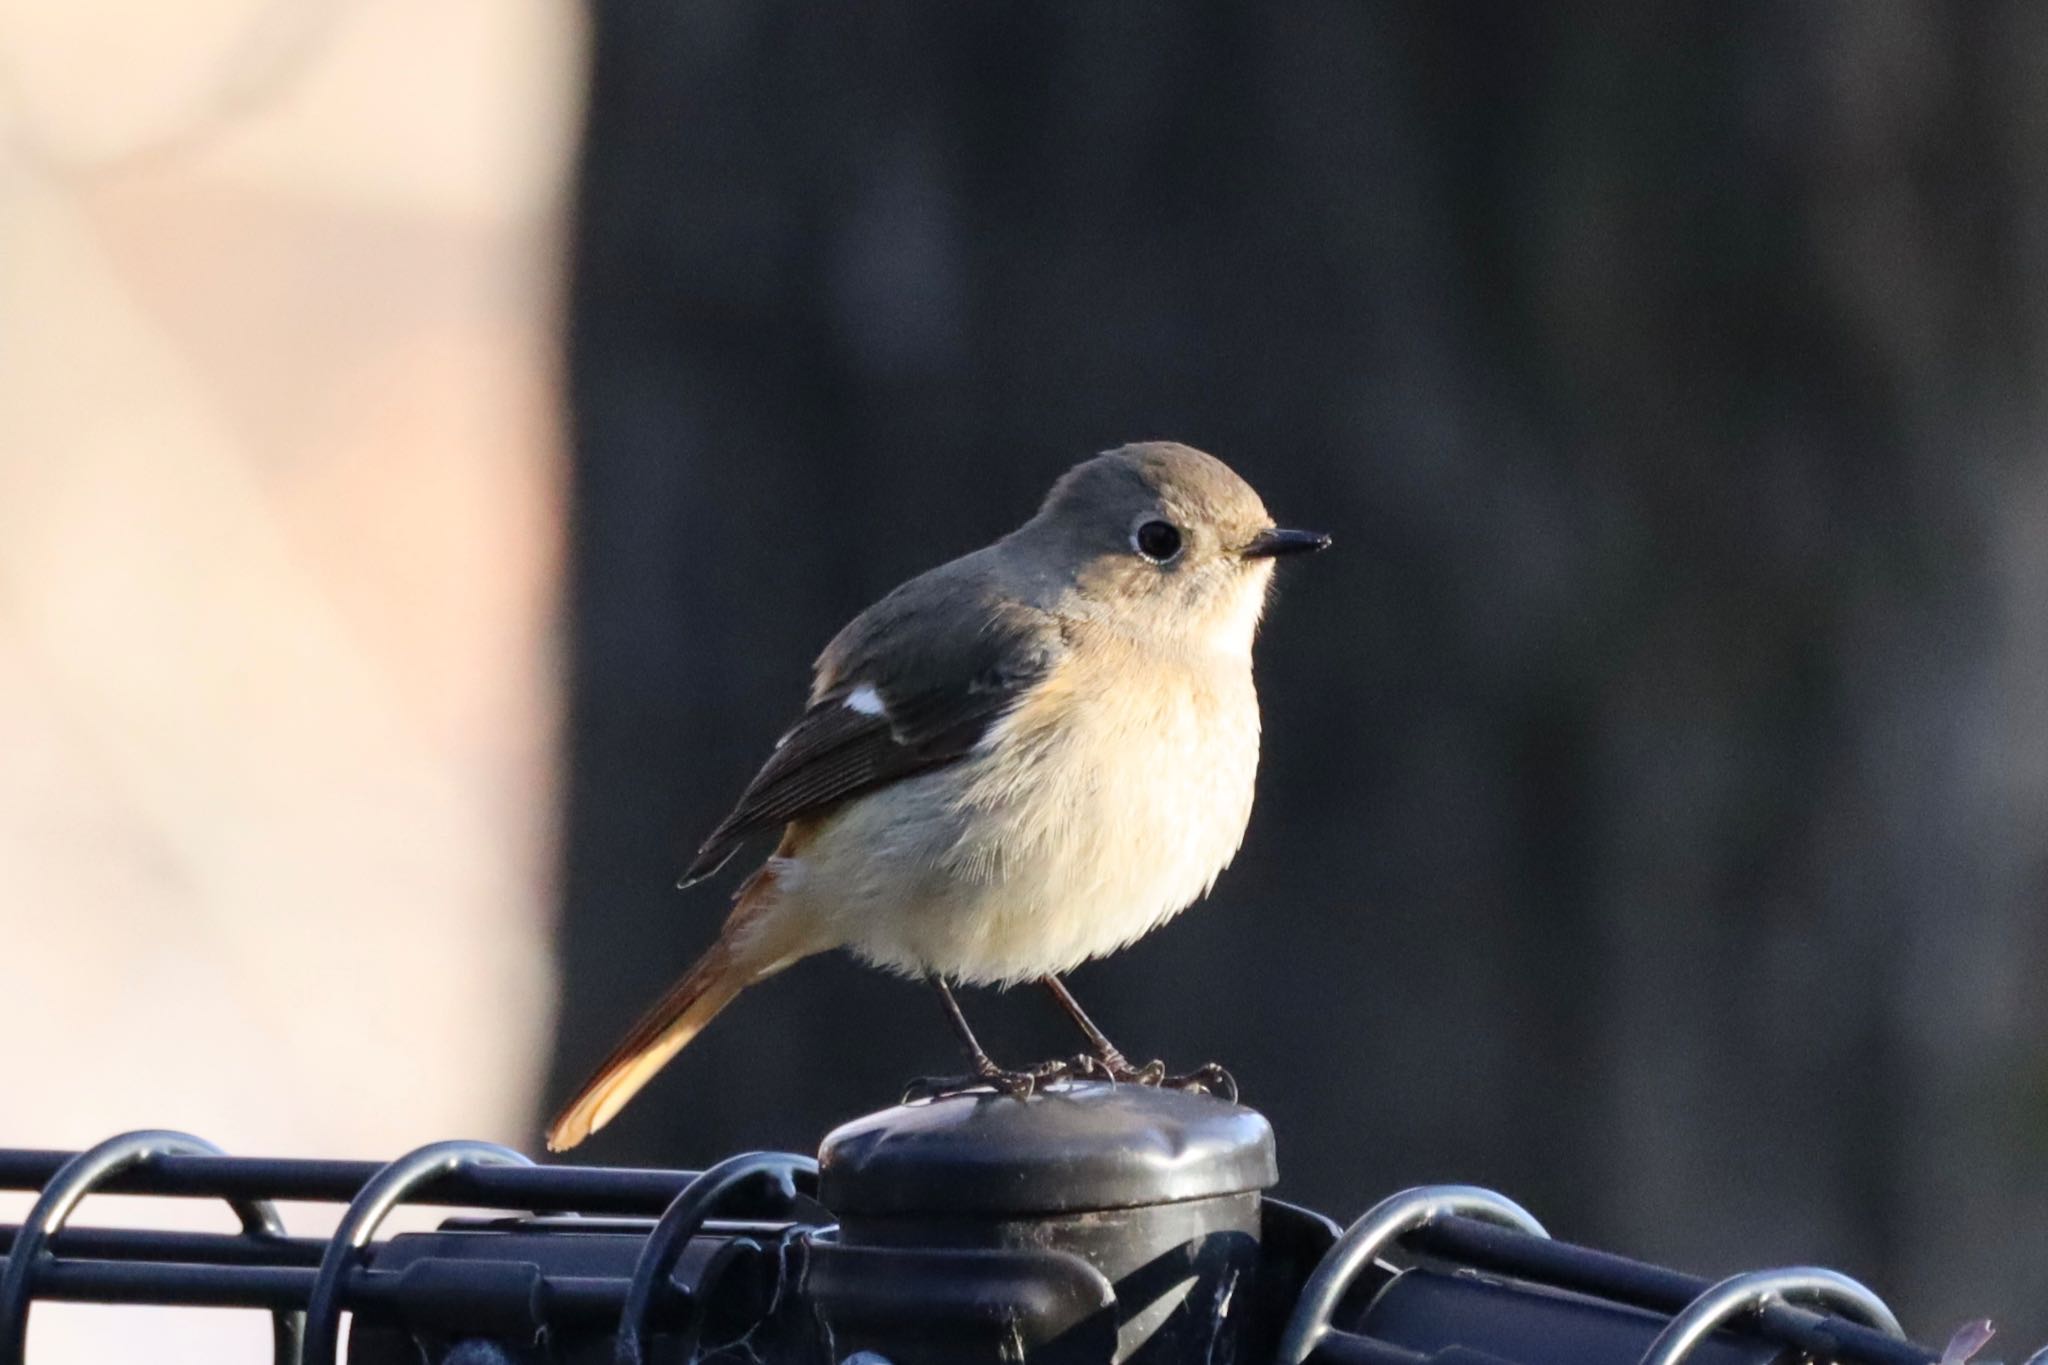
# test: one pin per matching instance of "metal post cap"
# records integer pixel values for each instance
(1070, 1148)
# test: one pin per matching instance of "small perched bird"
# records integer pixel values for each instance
(1013, 763)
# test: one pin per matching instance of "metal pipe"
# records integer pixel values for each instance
(567, 1300)
(1740, 1294)
(587, 1189)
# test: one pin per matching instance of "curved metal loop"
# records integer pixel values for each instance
(74, 1180)
(685, 1218)
(1378, 1228)
(1746, 1293)
(380, 1194)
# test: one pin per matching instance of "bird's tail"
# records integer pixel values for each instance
(749, 950)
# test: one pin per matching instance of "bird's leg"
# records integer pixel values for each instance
(1210, 1080)
(977, 1057)
(1113, 1064)
(986, 1074)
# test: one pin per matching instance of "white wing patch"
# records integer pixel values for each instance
(865, 700)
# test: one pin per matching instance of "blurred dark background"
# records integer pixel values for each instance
(1652, 817)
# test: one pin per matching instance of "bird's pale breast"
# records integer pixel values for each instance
(1100, 808)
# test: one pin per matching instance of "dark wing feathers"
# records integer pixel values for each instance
(939, 698)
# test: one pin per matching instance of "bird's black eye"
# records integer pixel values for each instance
(1158, 541)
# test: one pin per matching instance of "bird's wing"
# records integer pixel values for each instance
(894, 697)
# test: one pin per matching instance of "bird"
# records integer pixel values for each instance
(1013, 763)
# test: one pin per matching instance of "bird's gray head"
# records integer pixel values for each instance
(1160, 538)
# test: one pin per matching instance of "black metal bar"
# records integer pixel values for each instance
(589, 1189)
(1827, 1336)
(176, 1285)
(1343, 1348)
(165, 1244)
(568, 1300)
(1564, 1265)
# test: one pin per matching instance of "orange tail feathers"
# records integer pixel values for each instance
(746, 952)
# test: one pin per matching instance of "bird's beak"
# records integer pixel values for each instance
(1274, 542)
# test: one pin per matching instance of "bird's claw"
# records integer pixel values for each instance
(1151, 1073)
(1018, 1085)
(1115, 1068)
(1080, 1067)
(1209, 1079)
(1088, 1066)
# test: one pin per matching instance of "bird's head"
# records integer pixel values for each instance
(1161, 540)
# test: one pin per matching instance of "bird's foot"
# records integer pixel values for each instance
(1210, 1079)
(1082, 1066)
(1018, 1085)
(1087, 1066)
(1114, 1066)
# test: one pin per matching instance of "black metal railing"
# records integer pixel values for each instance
(745, 1261)
(308, 1283)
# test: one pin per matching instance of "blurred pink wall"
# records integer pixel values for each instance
(280, 524)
